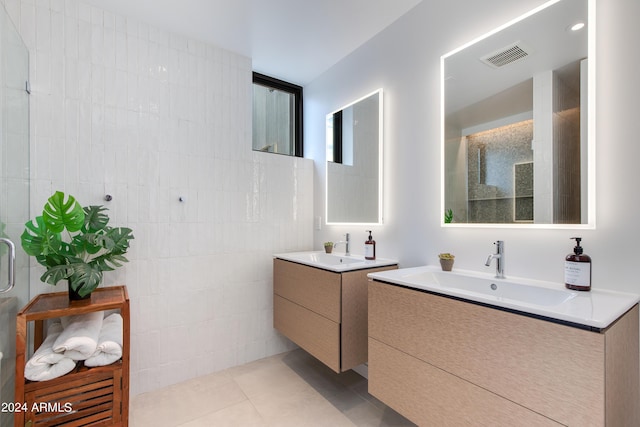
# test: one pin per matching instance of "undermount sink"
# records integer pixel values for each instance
(595, 309)
(498, 288)
(335, 262)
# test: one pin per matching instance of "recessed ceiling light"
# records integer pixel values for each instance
(578, 26)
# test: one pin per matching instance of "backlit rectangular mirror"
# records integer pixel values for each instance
(518, 128)
(354, 162)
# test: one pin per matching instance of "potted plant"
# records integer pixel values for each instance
(328, 247)
(75, 244)
(446, 261)
(448, 216)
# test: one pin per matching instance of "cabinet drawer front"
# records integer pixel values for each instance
(552, 369)
(313, 288)
(428, 396)
(316, 334)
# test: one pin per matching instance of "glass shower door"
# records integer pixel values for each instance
(14, 196)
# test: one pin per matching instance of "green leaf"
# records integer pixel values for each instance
(85, 279)
(57, 273)
(95, 219)
(108, 262)
(33, 237)
(120, 237)
(448, 216)
(59, 214)
(53, 260)
(38, 239)
(90, 243)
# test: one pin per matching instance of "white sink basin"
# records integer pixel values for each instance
(498, 288)
(335, 262)
(595, 309)
(331, 259)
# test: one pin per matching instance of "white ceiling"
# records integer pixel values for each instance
(294, 40)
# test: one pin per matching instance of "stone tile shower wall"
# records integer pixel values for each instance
(491, 158)
(121, 108)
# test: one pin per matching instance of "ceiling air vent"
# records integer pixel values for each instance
(507, 55)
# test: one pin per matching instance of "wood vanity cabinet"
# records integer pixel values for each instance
(444, 361)
(322, 311)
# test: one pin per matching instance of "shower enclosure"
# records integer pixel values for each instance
(14, 197)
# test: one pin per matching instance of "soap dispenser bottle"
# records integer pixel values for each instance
(370, 247)
(577, 269)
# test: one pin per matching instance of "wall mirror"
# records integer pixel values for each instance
(354, 162)
(518, 128)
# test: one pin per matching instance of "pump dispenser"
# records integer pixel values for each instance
(577, 269)
(370, 247)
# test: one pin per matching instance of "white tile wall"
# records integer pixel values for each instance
(121, 108)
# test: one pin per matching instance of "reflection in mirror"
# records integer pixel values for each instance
(354, 162)
(517, 122)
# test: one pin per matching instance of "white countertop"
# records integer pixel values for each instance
(597, 308)
(338, 262)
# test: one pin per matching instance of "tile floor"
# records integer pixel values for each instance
(289, 389)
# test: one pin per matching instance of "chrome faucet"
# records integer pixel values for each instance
(499, 257)
(346, 244)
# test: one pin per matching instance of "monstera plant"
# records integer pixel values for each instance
(75, 243)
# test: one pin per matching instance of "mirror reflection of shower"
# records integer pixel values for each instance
(491, 159)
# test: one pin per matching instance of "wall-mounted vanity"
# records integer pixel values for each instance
(448, 349)
(320, 303)
(518, 135)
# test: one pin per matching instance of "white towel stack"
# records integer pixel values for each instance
(109, 348)
(79, 339)
(46, 364)
(89, 337)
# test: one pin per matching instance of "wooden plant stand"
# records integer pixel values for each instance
(86, 396)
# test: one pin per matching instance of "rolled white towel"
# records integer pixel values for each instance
(109, 348)
(45, 364)
(79, 338)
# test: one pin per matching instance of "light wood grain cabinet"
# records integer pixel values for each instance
(443, 361)
(323, 312)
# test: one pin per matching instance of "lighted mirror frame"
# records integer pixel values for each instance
(591, 127)
(380, 215)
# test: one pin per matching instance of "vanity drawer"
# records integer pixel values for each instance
(429, 396)
(316, 334)
(313, 288)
